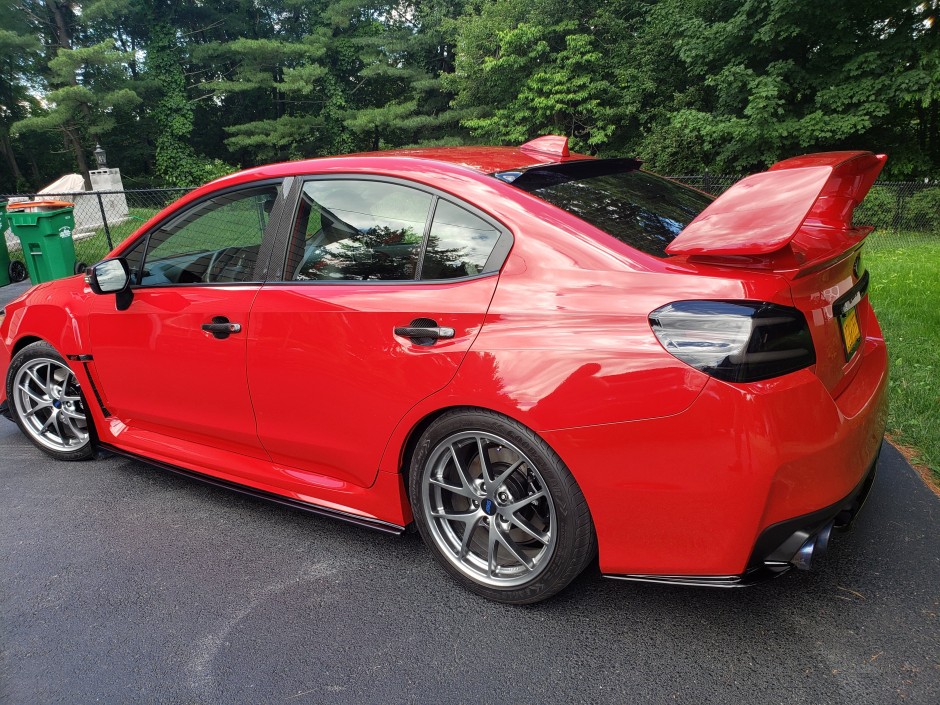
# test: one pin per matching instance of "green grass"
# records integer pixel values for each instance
(905, 292)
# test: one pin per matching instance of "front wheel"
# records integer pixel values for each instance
(47, 403)
(499, 509)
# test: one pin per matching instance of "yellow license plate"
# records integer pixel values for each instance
(851, 335)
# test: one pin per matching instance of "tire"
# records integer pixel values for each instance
(17, 271)
(518, 533)
(47, 403)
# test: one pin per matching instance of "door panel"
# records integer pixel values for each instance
(161, 372)
(330, 379)
(168, 364)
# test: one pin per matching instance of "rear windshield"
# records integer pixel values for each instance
(640, 209)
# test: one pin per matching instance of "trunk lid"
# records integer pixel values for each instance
(796, 219)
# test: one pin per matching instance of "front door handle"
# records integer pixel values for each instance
(221, 327)
(424, 331)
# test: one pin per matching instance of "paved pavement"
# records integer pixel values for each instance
(122, 583)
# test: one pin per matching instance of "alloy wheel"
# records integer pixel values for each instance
(489, 509)
(49, 404)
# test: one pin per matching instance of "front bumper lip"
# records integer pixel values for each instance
(777, 545)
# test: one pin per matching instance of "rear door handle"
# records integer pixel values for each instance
(221, 327)
(424, 331)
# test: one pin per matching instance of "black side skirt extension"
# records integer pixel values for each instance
(376, 524)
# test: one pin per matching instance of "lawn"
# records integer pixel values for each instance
(905, 292)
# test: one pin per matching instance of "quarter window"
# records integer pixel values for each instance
(215, 241)
(349, 229)
(459, 243)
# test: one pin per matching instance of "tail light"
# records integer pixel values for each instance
(740, 341)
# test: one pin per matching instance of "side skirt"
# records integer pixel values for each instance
(375, 524)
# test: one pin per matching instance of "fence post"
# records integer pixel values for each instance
(104, 220)
(706, 183)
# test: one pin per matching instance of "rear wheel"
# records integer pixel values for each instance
(47, 403)
(498, 508)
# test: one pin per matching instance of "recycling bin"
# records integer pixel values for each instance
(45, 230)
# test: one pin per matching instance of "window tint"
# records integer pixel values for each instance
(358, 230)
(214, 241)
(640, 209)
(459, 243)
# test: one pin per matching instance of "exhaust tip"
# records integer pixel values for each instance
(813, 549)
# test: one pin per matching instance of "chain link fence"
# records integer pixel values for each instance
(103, 219)
(904, 213)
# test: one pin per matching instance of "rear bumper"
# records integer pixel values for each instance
(703, 496)
(778, 546)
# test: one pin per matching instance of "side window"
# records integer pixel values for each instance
(459, 243)
(215, 241)
(358, 230)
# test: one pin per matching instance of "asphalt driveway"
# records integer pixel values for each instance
(122, 583)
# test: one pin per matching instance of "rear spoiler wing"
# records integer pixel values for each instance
(801, 207)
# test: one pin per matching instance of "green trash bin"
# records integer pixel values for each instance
(45, 231)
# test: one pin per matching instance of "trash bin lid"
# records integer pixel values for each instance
(23, 205)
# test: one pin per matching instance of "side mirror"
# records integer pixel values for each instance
(108, 277)
(111, 276)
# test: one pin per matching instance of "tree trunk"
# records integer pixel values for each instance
(64, 40)
(72, 134)
(62, 35)
(8, 154)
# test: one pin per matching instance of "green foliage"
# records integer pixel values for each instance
(904, 292)
(563, 88)
(728, 85)
(922, 211)
(880, 208)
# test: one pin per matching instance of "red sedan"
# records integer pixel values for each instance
(535, 357)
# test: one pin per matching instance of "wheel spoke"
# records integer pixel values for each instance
(469, 529)
(71, 414)
(461, 472)
(526, 526)
(33, 376)
(485, 468)
(491, 547)
(462, 491)
(76, 432)
(34, 397)
(48, 422)
(516, 506)
(514, 549)
(455, 516)
(498, 482)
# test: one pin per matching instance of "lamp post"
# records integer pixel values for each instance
(101, 157)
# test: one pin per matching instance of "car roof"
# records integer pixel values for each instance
(549, 149)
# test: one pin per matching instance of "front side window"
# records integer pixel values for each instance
(358, 230)
(215, 241)
(640, 209)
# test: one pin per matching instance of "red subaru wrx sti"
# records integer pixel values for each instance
(534, 356)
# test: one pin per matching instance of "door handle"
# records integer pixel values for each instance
(424, 331)
(221, 328)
